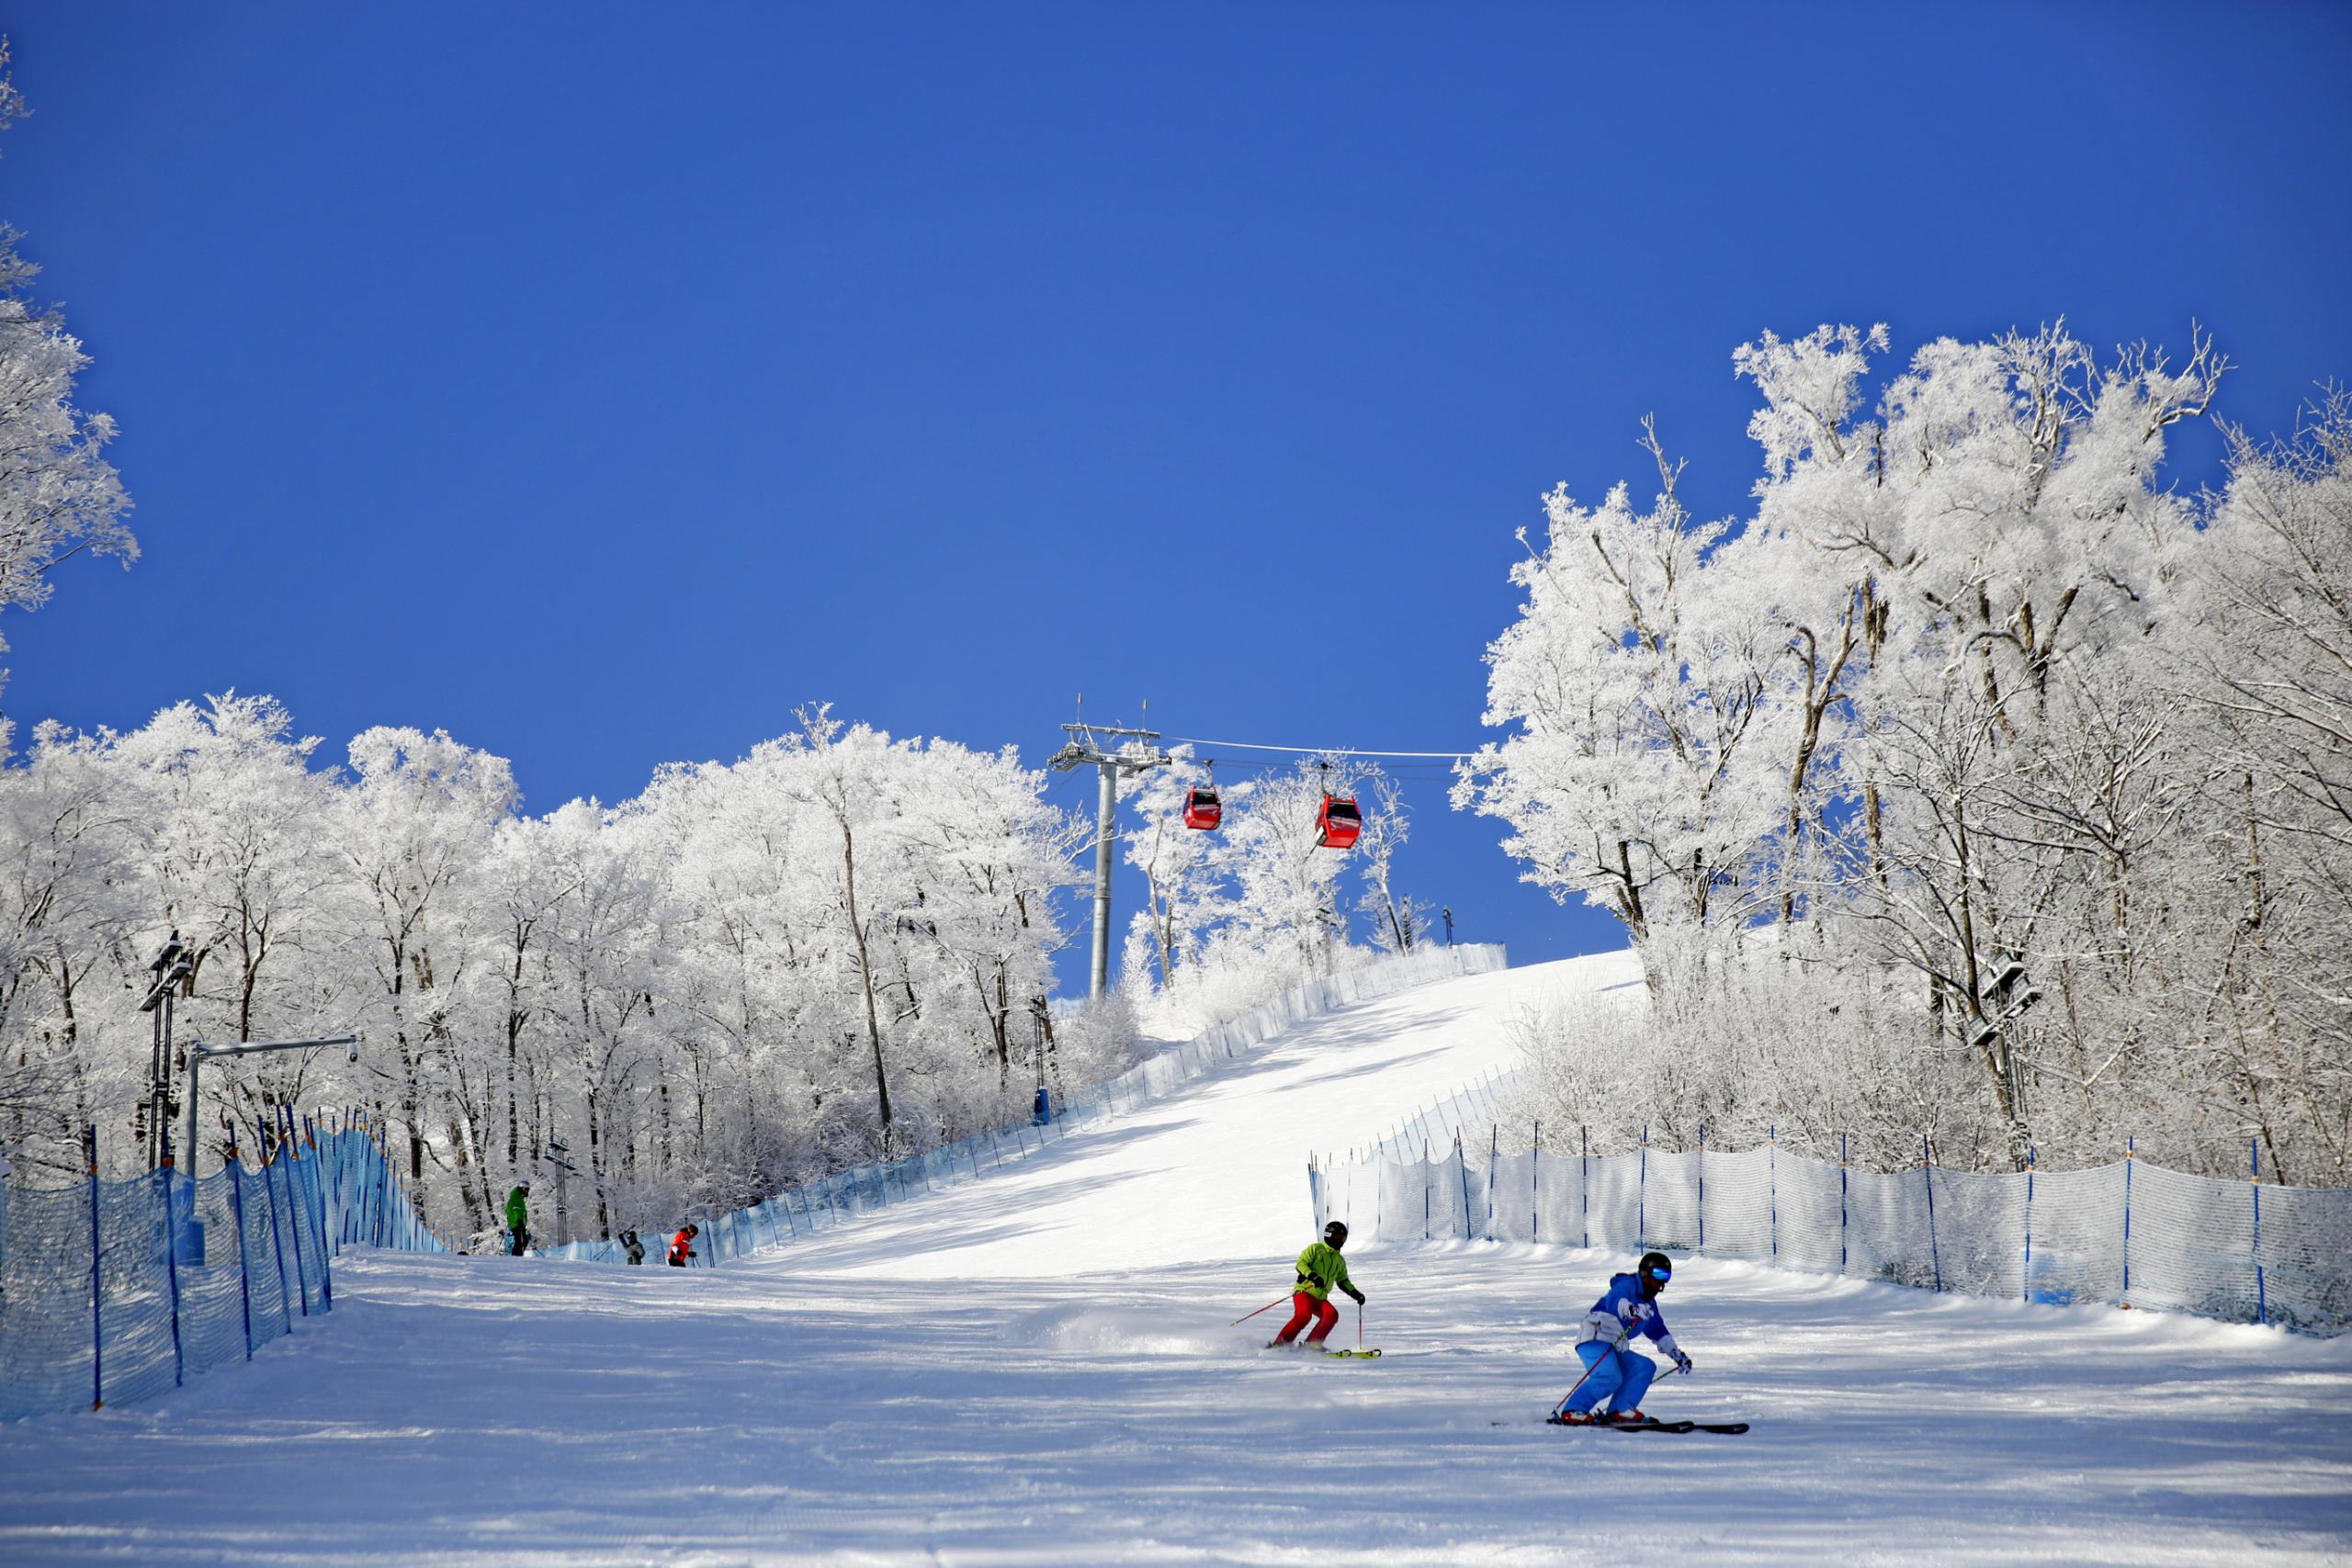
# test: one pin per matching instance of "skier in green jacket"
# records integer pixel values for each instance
(518, 1218)
(1320, 1270)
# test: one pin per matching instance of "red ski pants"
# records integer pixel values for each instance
(1304, 1306)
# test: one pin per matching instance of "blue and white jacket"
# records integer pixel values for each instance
(1622, 1314)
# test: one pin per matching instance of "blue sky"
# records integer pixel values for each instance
(599, 383)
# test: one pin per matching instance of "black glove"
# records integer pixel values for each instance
(1682, 1362)
(1358, 1294)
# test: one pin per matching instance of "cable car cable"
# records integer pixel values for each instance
(1317, 750)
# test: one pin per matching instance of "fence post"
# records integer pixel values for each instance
(172, 1261)
(1584, 1180)
(237, 1218)
(1928, 1170)
(318, 1203)
(97, 1318)
(1462, 1166)
(1535, 1185)
(1772, 1185)
(2025, 1281)
(1642, 1196)
(2129, 1145)
(1494, 1153)
(1703, 1187)
(1841, 1202)
(2261, 1297)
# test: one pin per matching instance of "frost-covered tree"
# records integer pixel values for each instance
(1635, 679)
(2024, 721)
(59, 497)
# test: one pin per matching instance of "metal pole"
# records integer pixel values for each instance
(244, 1270)
(1106, 835)
(98, 1282)
(195, 1064)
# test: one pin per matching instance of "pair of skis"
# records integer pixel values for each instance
(1728, 1428)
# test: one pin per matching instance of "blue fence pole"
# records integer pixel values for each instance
(1642, 1196)
(2024, 1284)
(1842, 1152)
(1703, 1187)
(172, 1261)
(1772, 1185)
(1584, 1180)
(293, 1198)
(97, 1292)
(1461, 1166)
(2129, 1145)
(319, 1207)
(1494, 1153)
(237, 1218)
(1535, 1187)
(2261, 1296)
(1927, 1169)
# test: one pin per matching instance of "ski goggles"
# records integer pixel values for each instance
(1660, 1273)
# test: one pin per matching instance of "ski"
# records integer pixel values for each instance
(1354, 1355)
(1724, 1428)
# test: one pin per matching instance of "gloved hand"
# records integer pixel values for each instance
(1358, 1294)
(1682, 1362)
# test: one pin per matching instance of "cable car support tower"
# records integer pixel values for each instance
(1127, 751)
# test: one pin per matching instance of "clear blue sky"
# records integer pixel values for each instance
(600, 382)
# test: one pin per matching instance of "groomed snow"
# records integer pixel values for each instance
(1039, 1369)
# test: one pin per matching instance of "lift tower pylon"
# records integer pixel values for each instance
(1129, 751)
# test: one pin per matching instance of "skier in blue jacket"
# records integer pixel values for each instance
(1612, 1372)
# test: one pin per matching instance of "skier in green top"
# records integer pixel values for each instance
(1321, 1268)
(518, 1218)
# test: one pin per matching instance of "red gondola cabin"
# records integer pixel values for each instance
(1337, 825)
(1202, 809)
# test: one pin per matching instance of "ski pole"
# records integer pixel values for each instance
(1580, 1381)
(1248, 1315)
(1358, 1325)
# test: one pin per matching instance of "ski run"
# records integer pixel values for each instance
(1041, 1367)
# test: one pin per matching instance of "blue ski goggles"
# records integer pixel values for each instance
(1661, 1274)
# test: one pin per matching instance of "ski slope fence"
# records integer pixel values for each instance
(118, 1291)
(2130, 1234)
(819, 1206)
(1477, 1107)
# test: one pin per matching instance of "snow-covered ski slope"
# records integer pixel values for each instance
(1037, 1368)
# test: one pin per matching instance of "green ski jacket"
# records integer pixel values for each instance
(1320, 1269)
(518, 1209)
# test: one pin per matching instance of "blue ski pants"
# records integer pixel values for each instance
(1620, 1377)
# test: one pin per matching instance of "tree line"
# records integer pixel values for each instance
(1976, 783)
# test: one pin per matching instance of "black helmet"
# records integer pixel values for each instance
(1654, 1270)
(1335, 1233)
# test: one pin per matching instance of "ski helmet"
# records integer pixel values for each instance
(1655, 1269)
(1334, 1233)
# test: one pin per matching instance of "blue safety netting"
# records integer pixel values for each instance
(2128, 1232)
(116, 1291)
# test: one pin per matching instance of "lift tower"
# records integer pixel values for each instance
(1126, 751)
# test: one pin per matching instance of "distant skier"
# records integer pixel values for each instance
(681, 1245)
(634, 1247)
(518, 1218)
(1321, 1268)
(1612, 1372)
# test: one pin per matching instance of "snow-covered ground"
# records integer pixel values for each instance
(1039, 1367)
